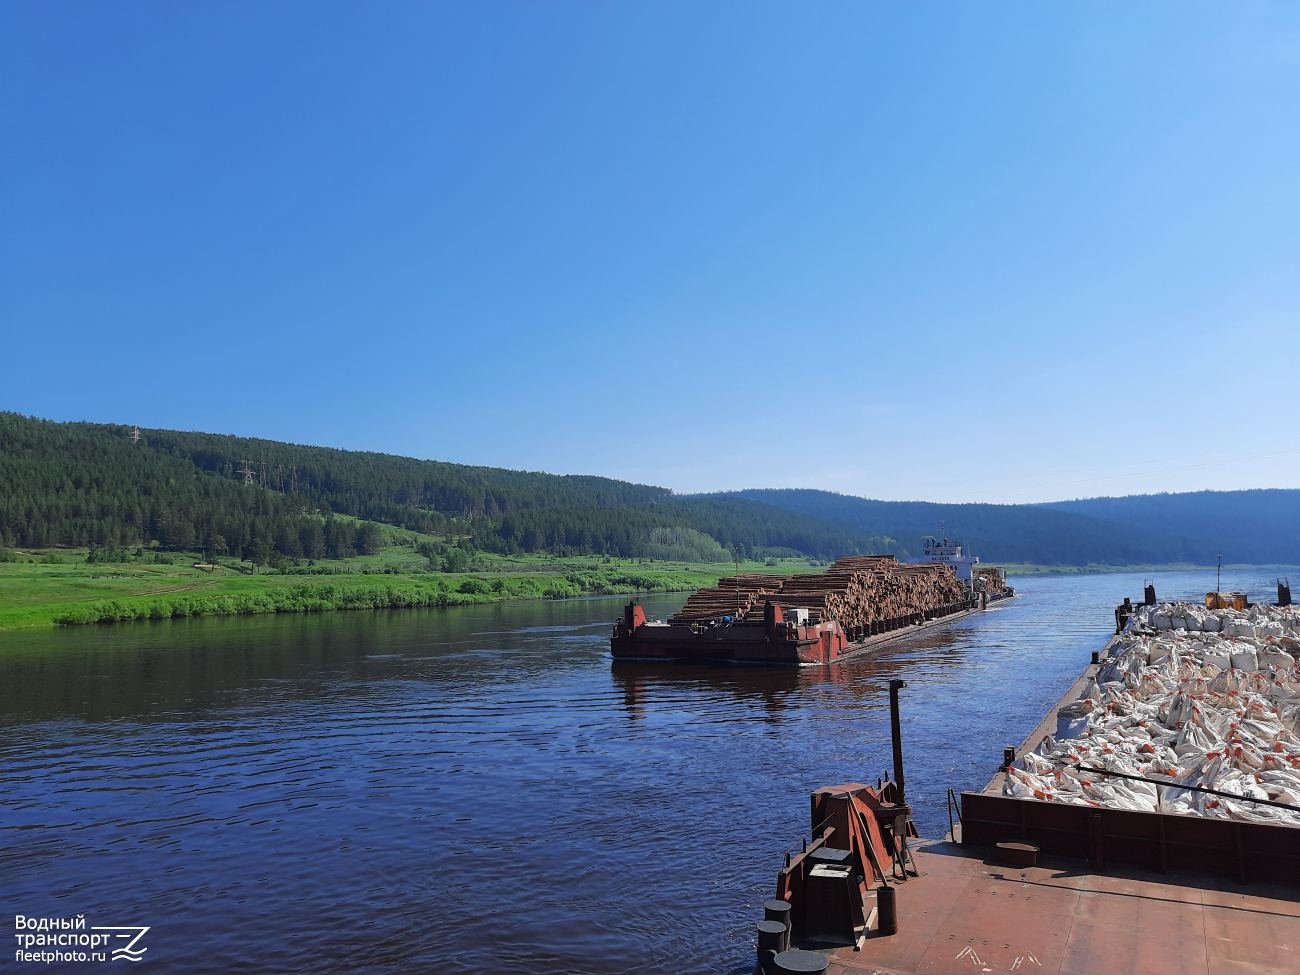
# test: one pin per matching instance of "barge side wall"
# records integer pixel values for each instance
(1158, 841)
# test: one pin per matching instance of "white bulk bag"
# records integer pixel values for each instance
(1219, 658)
(1278, 658)
(1072, 720)
(1245, 659)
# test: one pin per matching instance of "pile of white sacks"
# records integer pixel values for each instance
(1187, 696)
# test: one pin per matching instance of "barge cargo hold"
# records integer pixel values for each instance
(1026, 885)
(816, 618)
(1178, 747)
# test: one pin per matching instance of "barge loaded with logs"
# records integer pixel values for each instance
(811, 618)
(1150, 825)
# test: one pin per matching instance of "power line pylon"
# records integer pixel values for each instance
(135, 436)
(247, 471)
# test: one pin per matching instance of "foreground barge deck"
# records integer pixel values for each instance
(967, 913)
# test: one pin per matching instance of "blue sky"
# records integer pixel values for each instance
(996, 252)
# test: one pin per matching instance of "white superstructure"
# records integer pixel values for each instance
(936, 550)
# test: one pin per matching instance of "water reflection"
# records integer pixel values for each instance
(781, 688)
(640, 681)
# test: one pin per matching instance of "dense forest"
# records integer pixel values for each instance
(674, 525)
(1259, 527)
(114, 488)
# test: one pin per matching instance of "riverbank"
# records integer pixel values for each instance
(58, 587)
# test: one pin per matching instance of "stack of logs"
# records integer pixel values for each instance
(856, 591)
(994, 581)
(733, 596)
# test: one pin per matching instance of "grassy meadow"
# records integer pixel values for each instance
(60, 587)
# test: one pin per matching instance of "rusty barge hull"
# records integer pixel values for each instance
(1248, 852)
(753, 642)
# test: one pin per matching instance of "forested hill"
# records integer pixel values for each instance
(1252, 526)
(83, 483)
(1246, 526)
(79, 484)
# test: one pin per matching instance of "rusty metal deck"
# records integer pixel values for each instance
(968, 914)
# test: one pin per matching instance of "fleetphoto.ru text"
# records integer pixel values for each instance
(64, 939)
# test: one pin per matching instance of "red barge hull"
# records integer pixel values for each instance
(770, 641)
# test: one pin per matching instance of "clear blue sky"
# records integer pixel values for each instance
(972, 251)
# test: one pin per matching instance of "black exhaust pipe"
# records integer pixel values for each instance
(894, 687)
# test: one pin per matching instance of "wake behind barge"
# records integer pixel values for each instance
(816, 618)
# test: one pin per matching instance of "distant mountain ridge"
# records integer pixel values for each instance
(80, 484)
(1262, 526)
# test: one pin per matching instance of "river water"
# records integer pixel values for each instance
(478, 789)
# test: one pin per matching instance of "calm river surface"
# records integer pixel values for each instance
(478, 789)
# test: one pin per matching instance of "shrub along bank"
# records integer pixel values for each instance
(313, 597)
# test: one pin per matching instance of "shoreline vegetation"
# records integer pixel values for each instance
(70, 587)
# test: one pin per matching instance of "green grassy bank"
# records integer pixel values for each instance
(59, 587)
